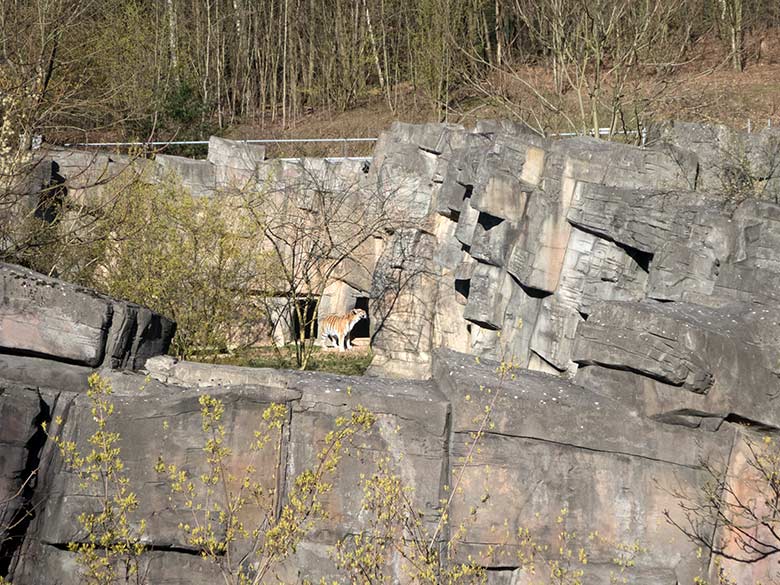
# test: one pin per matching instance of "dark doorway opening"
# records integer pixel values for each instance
(308, 309)
(363, 327)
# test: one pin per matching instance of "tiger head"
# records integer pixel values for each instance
(359, 313)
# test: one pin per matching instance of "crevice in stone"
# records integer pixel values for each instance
(65, 547)
(484, 324)
(643, 259)
(627, 368)
(534, 293)
(502, 435)
(468, 192)
(22, 519)
(463, 286)
(749, 422)
(487, 221)
(36, 354)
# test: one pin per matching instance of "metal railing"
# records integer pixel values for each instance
(343, 141)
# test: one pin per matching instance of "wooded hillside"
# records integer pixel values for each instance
(133, 68)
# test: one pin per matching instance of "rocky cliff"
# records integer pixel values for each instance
(635, 288)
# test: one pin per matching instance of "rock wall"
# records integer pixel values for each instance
(522, 240)
(635, 287)
(586, 445)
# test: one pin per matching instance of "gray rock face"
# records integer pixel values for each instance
(198, 176)
(548, 444)
(693, 357)
(648, 277)
(47, 317)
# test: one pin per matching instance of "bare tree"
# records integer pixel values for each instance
(735, 513)
(315, 225)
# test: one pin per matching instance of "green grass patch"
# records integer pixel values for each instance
(352, 363)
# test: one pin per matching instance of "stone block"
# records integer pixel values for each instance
(595, 269)
(236, 162)
(492, 239)
(641, 219)
(697, 360)
(489, 294)
(613, 164)
(22, 410)
(198, 176)
(141, 409)
(47, 317)
(683, 273)
(472, 156)
(536, 259)
(554, 333)
(467, 223)
(501, 194)
(411, 434)
(518, 326)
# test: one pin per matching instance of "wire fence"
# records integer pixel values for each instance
(345, 142)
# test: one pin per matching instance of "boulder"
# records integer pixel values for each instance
(46, 317)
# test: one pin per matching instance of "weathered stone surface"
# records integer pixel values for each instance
(489, 294)
(512, 168)
(401, 310)
(537, 257)
(620, 165)
(467, 223)
(492, 239)
(641, 219)
(199, 176)
(547, 442)
(683, 273)
(727, 160)
(42, 372)
(595, 269)
(518, 326)
(22, 410)
(554, 332)
(697, 355)
(141, 410)
(164, 567)
(47, 317)
(411, 433)
(236, 162)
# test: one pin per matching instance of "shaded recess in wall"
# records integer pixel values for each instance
(487, 221)
(363, 327)
(463, 286)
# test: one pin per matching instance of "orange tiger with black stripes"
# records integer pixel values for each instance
(338, 327)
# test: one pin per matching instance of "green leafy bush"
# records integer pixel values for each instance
(194, 259)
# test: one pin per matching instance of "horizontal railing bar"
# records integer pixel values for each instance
(252, 141)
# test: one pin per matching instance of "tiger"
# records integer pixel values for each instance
(338, 327)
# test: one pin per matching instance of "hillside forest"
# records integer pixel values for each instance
(75, 70)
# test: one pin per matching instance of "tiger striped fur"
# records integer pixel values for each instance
(338, 327)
